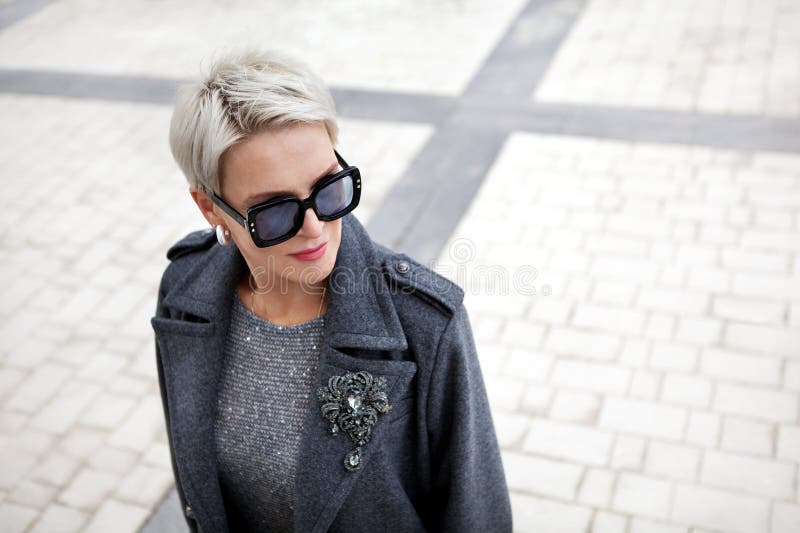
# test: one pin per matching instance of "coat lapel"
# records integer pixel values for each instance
(360, 315)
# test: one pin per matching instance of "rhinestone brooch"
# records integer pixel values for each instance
(351, 403)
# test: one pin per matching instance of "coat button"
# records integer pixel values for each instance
(402, 267)
(189, 512)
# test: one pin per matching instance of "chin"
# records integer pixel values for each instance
(317, 271)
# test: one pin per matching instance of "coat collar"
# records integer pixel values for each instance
(360, 311)
(360, 315)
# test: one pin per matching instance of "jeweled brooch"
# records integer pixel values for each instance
(351, 402)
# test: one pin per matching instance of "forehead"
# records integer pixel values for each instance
(288, 159)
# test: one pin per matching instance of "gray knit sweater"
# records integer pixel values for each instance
(264, 395)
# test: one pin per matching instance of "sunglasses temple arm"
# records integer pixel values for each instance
(227, 208)
(340, 159)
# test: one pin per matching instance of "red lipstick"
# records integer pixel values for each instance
(310, 254)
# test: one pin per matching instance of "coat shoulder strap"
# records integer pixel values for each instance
(194, 241)
(408, 276)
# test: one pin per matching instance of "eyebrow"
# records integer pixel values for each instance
(264, 196)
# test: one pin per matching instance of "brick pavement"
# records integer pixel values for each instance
(717, 56)
(650, 381)
(641, 352)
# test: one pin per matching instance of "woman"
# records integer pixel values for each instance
(312, 380)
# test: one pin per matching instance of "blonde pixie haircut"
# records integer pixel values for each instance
(243, 92)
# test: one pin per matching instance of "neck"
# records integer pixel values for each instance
(287, 305)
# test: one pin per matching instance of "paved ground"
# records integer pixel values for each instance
(616, 185)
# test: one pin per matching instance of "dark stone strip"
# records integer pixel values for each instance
(13, 12)
(393, 106)
(352, 103)
(519, 61)
(735, 132)
(420, 212)
(739, 132)
(119, 88)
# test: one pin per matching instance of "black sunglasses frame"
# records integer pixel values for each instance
(248, 221)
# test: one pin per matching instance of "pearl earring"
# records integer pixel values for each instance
(223, 235)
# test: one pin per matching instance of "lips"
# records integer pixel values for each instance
(311, 253)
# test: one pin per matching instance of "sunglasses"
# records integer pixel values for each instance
(279, 219)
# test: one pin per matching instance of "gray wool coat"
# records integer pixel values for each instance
(433, 461)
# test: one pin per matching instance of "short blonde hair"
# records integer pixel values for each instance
(243, 92)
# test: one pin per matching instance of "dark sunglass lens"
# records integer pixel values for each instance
(335, 196)
(276, 221)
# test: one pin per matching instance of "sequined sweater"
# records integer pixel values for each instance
(266, 384)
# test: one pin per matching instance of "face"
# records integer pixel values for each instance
(274, 163)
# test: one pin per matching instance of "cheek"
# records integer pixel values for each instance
(335, 240)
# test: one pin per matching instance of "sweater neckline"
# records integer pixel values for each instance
(243, 309)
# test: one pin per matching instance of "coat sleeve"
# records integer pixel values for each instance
(469, 484)
(184, 510)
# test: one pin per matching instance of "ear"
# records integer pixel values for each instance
(207, 207)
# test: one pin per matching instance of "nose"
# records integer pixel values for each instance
(312, 226)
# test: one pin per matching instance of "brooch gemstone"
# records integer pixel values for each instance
(351, 402)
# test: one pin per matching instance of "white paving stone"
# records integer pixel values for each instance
(789, 443)
(740, 367)
(648, 419)
(749, 436)
(16, 466)
(504, 394)
(628, 453)
(596, 488)
(642, 525)
(605, 522)
(510, 428)
(575, 406)
(703, 428)
(116, 516)
(539, 514)
(528, 364)
(31, 494)
(88, 489)
(719, 510)
(747, 474)
(582, 343)
(144, 486)
(643, 496)
(544, 477)
(674, 356)
(672, 300)
(645, 385)
(785, 518)
(584, 445)
(615, 319)
(672, 461)
(748, 310)
(58, 518)
(16, 518)
(590, 376)
(536, 399)
(759, 403)
(686, 390)
(767, 339)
